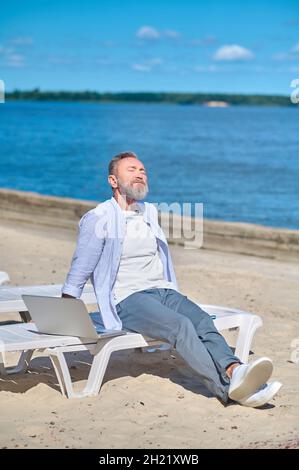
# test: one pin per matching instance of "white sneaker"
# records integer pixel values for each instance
(247, 378)
(263, 395)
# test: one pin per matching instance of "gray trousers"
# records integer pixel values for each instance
(167, 314)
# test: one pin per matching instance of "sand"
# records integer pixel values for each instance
(154, 400)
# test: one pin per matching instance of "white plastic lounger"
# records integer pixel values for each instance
(226, 318)
(11, 296)
(25, 339)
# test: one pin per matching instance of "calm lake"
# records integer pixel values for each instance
(242, 162)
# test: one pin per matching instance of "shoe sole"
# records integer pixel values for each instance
(257, 374)
(268, 397)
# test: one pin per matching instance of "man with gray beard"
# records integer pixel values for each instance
(122, 249)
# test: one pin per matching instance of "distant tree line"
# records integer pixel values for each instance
(149, 97)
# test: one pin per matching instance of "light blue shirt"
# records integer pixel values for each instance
(98, 252)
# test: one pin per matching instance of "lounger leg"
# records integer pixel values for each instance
(95, 377)
(101, 352)
(247, 330)
(62, 373)
(22, 365)
(101, 359)
(97, 371)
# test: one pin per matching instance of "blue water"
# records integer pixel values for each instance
(240, 162)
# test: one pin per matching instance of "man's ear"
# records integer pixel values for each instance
(112, 181)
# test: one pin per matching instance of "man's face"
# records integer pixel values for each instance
(131, 178)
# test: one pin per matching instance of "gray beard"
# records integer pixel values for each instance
(136, 193)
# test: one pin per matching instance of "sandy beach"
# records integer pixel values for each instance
(154, 400)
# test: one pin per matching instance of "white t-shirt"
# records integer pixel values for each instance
(140, 264)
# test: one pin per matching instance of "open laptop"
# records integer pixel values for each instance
(64, 316)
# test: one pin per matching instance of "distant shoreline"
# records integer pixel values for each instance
(238, 237)
(205, 99)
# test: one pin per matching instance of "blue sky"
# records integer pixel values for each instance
(150, 45)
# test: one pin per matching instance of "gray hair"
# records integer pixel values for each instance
(113, 163)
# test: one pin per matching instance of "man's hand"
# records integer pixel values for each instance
(68, 296)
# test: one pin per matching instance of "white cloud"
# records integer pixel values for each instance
(147, 65)
(141, 67)
(147, 32)
(170, 33)
(15, 60)
(233, 52)
(150, 33)
(290, 56)
(22, 41)
(6, 50)
(10, 58)
(11, 52)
